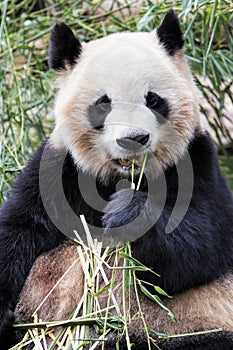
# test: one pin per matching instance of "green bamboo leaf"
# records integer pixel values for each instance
(105, 288)
(159, 335)
(145, 20)
(161, 291)
(157, 299)
(219, 66)
(137, 263)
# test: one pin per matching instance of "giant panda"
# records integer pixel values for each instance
(121, 99)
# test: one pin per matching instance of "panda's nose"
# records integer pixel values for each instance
(133, 143)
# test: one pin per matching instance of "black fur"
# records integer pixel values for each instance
(64, 47)
(198, 251)
(170, 33)
(219, 340)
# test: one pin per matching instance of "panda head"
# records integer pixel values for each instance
(124, 96)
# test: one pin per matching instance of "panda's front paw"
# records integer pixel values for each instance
(123, 215)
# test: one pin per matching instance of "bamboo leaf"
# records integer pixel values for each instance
(105, 288)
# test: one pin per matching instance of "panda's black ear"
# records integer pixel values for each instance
(170, 33)
(64, 47)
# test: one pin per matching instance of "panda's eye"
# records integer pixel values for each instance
(103, 99)
(152, 100)
(104, 103)
(99, 111)
(158, 105)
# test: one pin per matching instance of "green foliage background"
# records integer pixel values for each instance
(26, 83)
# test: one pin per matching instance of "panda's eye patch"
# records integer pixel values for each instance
(99, 111)
(158, 105)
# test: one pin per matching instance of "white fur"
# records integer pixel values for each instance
(127, 120)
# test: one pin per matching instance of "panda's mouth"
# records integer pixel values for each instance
(127, 164)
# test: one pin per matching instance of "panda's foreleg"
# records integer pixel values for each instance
(25, 232)
(184, 258)
(14, 268)
(6, 329)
